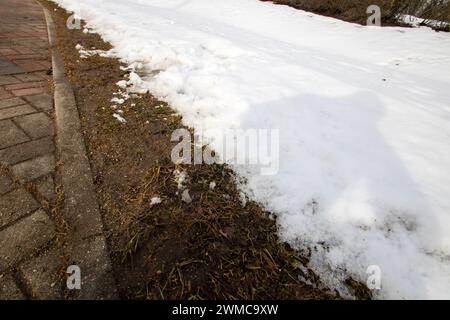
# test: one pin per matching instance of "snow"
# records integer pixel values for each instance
(363, 114)
(88, 53)
(180, 178)
(122, 84)
(117, 100)
(186, 197)
(243, 198)
(119, 118)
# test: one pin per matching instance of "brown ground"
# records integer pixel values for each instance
(212, 248)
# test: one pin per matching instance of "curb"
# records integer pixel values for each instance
(87, 245)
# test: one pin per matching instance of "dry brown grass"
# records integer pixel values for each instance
(355, 10)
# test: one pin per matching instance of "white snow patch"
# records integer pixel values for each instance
(180, 178)
(88, 53)
(122, 84)
(243, 198)
(119, 118)
(117, 100)
(155, 201)
(185, 196)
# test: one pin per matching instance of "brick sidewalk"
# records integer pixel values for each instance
(29, 255)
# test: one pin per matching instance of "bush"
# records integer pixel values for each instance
(429, 10)
(355, 10)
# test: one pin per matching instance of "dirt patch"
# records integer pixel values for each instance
(214, 247)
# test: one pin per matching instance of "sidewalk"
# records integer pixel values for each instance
(30, 258)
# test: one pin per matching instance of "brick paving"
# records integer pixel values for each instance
(29, 255)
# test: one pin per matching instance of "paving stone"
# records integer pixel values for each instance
(8, 80)
(6, 184)
(10, 134)
(22, 239)
(46, 63)
(10, 68)
(32, 169)
(9, 289)
(24, 85)
(44, 74)
(41, 275)
(16, 111)
(15, 205)
(30, 65)
(7, 51)
(11, 102)
(46, 187)
(27, 150)
(26, 77)
(4, 96)
(24, 50)
(43, 102)
(28, 91)
(36, 125)
(16, 240)
(4, 62)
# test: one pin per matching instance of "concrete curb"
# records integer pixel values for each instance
(87, 244)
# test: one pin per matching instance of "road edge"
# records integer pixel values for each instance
(87, 246)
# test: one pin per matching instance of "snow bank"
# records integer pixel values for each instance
(363, 114)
